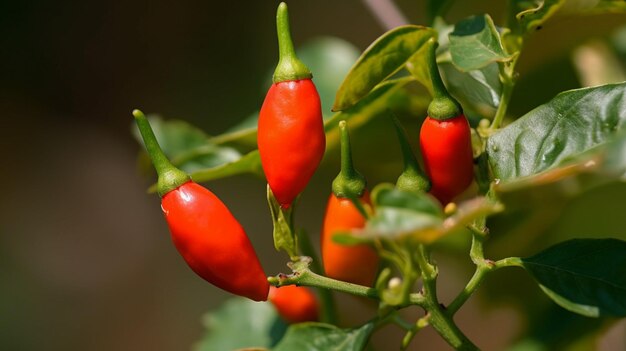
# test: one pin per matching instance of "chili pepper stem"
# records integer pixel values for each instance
(443, 106)
(289, 66)
(412, 177)
(169, 177)
(349, 183)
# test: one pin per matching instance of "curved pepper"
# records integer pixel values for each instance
(204, 231)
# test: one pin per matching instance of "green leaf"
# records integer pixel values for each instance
(188, 147)
(479, 88)
(386, 195)
(583, 310)
(400, 215)
(586, 276)
(381, 59)
(324, 337)
(475, 43)
(533, 18)
(249, 163)
(572, 123)
(398, 223)
(263, 327)
(284, 236)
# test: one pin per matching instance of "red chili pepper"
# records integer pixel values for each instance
(204, 231)
(447, 152)
(445, 140)
(356, 264)
(291, 135)
(295, 304)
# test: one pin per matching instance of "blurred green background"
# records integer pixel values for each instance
(86, 261)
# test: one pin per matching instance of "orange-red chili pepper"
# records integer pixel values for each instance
(204, 231)
(290, 135)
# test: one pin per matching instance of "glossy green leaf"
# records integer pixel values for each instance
(324, 337)
(399, 223)
(572, 123)
(583, 310)
(389, 95)
(598, 166)
(381, 59)
(479, 89)
(263, 327)
(586, 276)
(187, 146)
(386, 195)
(250, 163)
(532, 19)
(475, 43)
(402, 215)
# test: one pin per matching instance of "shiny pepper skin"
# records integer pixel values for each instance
(447, 151)
(295, 304)
(291, 137)
(212, 241)
(354, 264)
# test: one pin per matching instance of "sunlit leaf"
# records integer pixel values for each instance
(479, 89)
(381, 59)
(324, 337)
(475, 43)
(264, 328)
(188, 147)
(572, 123)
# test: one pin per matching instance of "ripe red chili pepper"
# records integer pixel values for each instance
(291, 135)
(447, 150)
(356, 264)
(295, 304)
(445, 140)
(204, 231)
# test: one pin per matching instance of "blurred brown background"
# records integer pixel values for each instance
(86, 261)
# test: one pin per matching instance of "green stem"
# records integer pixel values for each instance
(505, 97)
(482, 270)
(472, 285)
(329, 310)
(412, 178)
(349, 183)
(443, 106)
(308, 278)
(289, 66)
(437, 317)
(448, 330)
(507, 77)
(170, 177)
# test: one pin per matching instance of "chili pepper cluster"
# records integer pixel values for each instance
(291, 143)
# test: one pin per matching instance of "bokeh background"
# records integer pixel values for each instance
(86, 261)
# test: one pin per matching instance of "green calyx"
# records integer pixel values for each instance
(349, 183)
(289, 66)
(412, 178)
(169, 177)
(443, 106)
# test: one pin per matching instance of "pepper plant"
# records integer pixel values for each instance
(484, 170)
